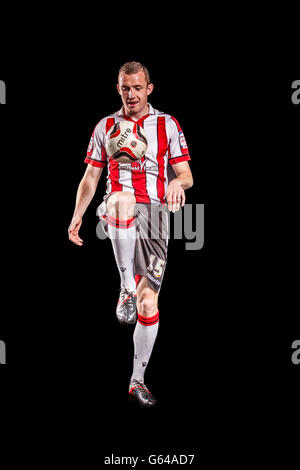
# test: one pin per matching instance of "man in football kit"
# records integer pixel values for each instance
(135, 200)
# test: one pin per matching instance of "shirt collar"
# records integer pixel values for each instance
(151, 110)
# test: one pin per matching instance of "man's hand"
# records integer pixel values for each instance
(85, 194)
(175, 196)
(74, 229)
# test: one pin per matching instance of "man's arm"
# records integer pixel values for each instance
(176, 188)
(85, 194)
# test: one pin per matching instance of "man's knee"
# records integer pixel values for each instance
(147, 304)
(121, 204)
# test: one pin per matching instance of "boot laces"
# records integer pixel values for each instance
(124, 294)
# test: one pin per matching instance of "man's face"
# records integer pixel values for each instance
(134, 92)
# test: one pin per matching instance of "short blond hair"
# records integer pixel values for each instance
(134, 67)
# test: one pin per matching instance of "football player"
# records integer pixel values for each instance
(136, 201)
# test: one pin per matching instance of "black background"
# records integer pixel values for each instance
(221, 368)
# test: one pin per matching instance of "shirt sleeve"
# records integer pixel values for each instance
(96, 154)
(178, 149)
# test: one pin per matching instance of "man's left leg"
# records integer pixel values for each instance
(144, 338)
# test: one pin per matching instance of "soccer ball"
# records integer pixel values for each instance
(126, 142)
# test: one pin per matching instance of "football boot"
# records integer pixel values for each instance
(140, 394)
(126, 308)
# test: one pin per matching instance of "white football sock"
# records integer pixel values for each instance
(143, 338)
(123, 237)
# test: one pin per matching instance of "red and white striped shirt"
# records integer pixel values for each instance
(147, 178)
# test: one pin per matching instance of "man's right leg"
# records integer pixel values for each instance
(122, 232)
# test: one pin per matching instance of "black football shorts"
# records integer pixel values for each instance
(151, 221)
